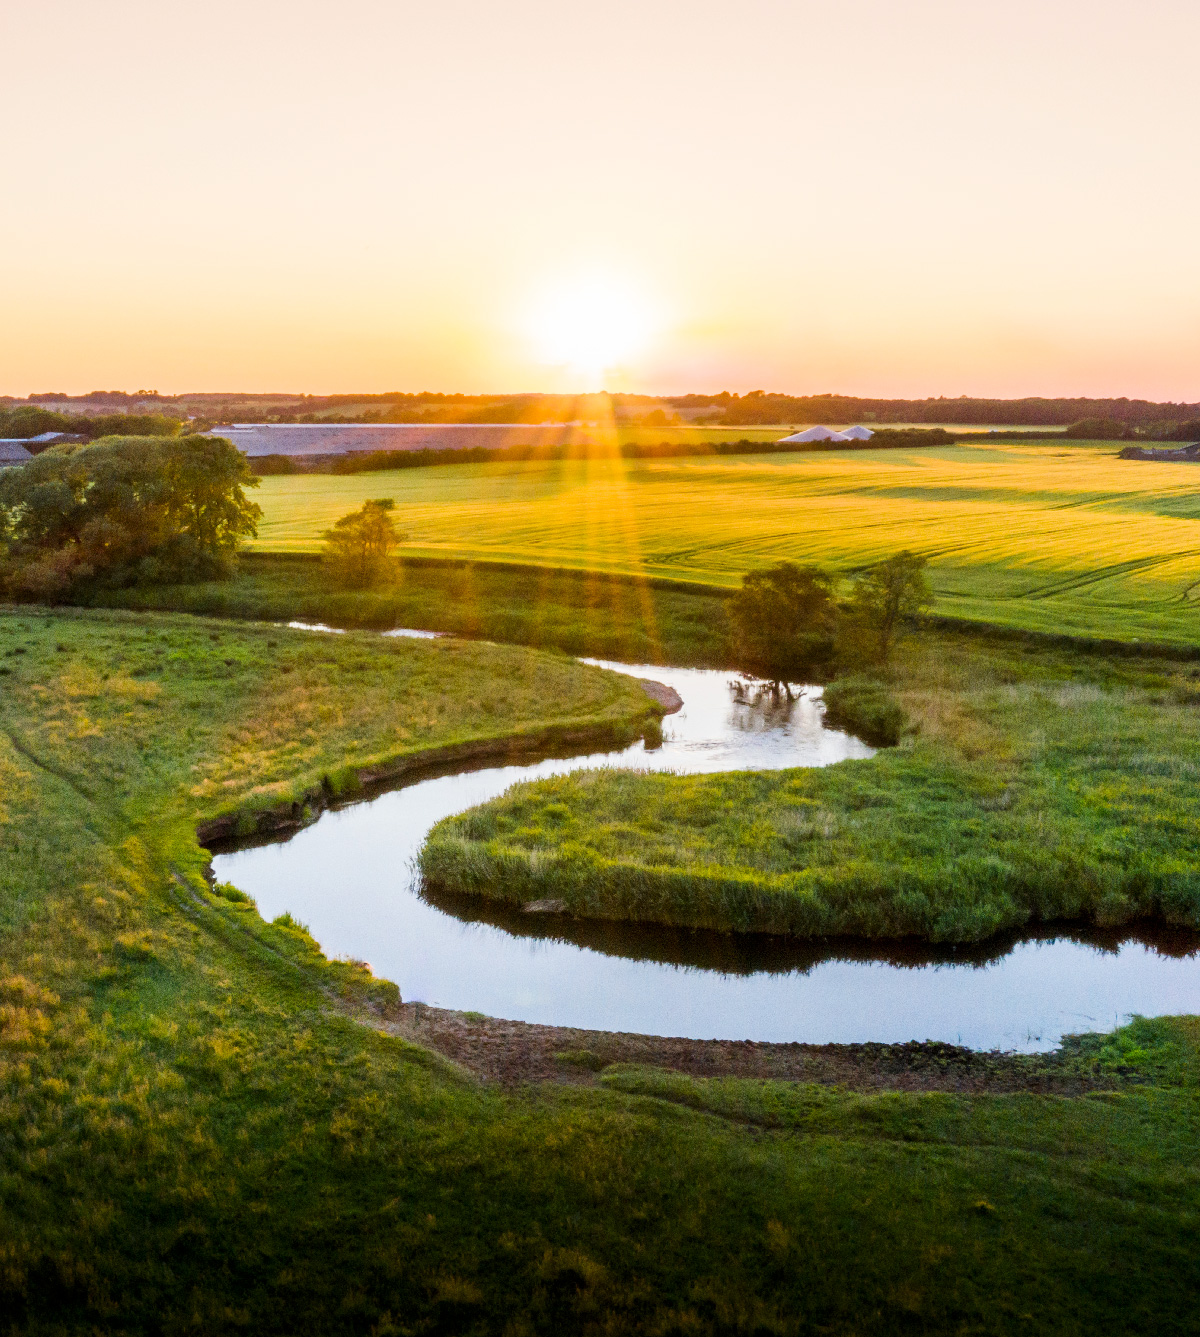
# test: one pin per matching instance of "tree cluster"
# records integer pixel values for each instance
(123, 510)
(789, 625)
(29, 420)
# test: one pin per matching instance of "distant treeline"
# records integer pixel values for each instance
(376, 461)
(761, 407)
(30, 421)
(757, 408)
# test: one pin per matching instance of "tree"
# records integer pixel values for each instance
(883, 596)
(359, 545)
(784, 620)
(121, 510)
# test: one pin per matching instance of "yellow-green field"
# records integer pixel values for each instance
(1052, 537)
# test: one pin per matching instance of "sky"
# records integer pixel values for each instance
(876, 197)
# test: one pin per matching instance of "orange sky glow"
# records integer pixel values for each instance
(869, 197)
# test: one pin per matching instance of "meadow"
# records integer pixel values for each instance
(1030, 786)
(581, 612)
(1048, 537)
(206, 1126)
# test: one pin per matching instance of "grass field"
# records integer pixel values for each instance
(1033, 786)
(1060, 537)
(579, 612)
(206, 1127)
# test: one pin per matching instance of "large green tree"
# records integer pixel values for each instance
(784, 621)
(123, 509)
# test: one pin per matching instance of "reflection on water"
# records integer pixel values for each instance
(351, 878)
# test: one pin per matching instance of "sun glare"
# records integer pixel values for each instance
(589, 327)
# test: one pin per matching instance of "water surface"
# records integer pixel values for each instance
(351, 878)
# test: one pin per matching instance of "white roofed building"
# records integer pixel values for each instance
(813, 434)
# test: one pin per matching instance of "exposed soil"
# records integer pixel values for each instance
(667, 697)
(514, 1053)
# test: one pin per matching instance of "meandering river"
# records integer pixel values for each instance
(351, 878)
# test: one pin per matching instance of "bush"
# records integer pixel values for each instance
(30, 420)
(865, 708)
(266, 466)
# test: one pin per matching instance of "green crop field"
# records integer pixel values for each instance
(1060, 537)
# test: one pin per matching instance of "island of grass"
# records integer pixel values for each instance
(206, 1126)
(1030, 787)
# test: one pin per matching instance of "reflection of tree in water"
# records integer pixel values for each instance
(759, 706)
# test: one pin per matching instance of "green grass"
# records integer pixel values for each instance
(576, 611)
(1031, 787)
(1051, 537)
(203, 1130)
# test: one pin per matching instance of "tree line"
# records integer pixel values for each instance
(766, 408)
(29, 420)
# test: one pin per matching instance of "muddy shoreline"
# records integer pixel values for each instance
(512, 1054)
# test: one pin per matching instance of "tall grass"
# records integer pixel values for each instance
(1033, 788)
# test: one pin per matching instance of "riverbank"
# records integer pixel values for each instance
(1031, 787)
(513, 1053)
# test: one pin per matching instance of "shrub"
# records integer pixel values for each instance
(1097, 429)
(30, 420)
(266, 466)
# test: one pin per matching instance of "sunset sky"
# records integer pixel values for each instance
(870, 196)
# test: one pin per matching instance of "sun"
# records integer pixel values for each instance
(589, 326)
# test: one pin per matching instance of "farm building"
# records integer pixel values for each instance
(814, 434)
(13, 452)
(302, 439)
(821, 433)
